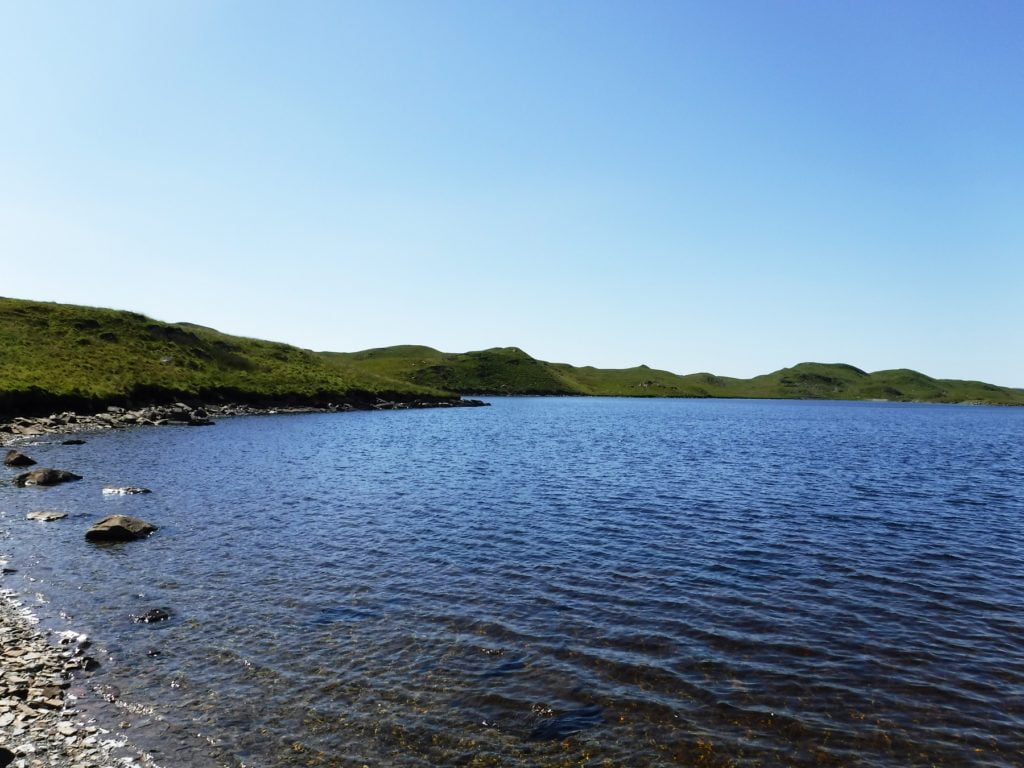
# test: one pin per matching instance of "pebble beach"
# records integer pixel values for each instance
(41, 723)
(42, 720)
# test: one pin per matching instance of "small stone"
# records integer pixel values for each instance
(88, 663)
(66, 729)
(46, 693)
(17, 459)
(150, 617)
(46, 515)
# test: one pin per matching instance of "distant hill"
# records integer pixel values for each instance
(60, 356)
(508, 370)
(505, 370)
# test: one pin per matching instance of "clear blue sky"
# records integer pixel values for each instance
(723, 186)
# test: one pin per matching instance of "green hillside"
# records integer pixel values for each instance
(504, 370)
(59, 356)
(509, 370)
(63, 356)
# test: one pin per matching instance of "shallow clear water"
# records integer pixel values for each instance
(553, 581)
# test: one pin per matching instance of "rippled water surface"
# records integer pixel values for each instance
(553, 582)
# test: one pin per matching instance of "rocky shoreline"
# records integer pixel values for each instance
(42, 724)
(183, 414)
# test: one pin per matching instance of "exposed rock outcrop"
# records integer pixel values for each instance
(45, 476)
(17, 459)
(119, 528)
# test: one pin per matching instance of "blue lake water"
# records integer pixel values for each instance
(551, 582)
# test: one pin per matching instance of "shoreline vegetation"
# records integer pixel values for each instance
(60, 358)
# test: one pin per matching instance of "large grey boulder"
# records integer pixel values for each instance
(16, 459)
(119, 528)
(45, 476)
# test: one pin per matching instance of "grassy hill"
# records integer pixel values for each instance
(498, 371)
(509, 370)
(56, 356)
(59, 356)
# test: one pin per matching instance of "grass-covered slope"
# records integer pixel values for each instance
(844, 382)
(511, 371)
(58, 356)
(504, 370)
(63, 356)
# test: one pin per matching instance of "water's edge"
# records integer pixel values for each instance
(858, 534)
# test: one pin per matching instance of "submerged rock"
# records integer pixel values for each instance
(119, 528)
(16, 459)
(46, 515)
(127, 490)
(562, 726)
(45, 476)
(73, 442)
(151, 617)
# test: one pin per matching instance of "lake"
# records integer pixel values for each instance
(551, 582)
